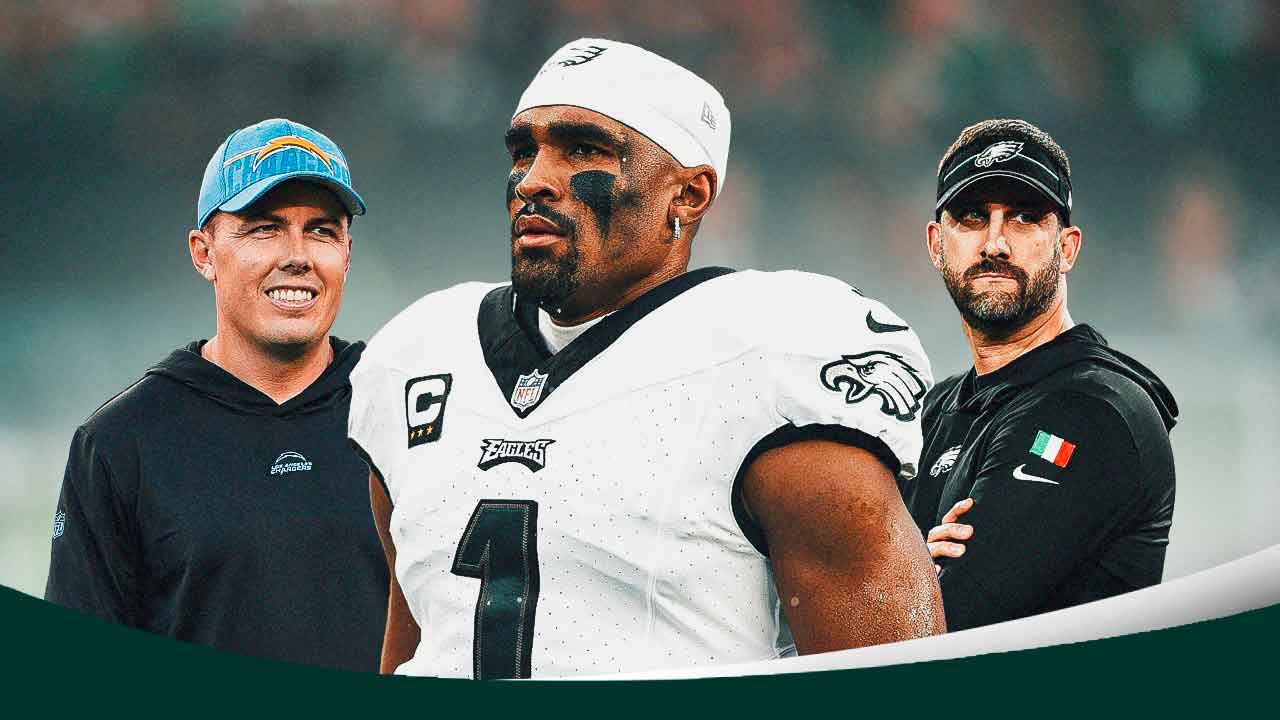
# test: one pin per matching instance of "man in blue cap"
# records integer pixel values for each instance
(216, 499)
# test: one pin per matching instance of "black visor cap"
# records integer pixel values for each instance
(1016, 158)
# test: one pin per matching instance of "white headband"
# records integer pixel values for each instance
(676, 109)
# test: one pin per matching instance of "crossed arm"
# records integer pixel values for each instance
(1005, 550)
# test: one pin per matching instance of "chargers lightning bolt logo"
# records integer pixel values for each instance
(281, 144)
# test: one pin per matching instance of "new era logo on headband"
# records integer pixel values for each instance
(708, 117)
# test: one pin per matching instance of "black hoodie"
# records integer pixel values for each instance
(1066, 454)
(196, 507)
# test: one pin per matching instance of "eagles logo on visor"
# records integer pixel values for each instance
(998, 152)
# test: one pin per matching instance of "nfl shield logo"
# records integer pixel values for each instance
(59, 524)
(528, 390)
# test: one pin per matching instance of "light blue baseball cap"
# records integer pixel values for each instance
(255, 159)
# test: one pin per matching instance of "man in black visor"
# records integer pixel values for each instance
(1047, 477)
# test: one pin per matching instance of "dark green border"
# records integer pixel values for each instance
(63, 664)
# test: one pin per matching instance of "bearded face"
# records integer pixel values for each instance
(546, 276)
(998, 308)
(587, 220)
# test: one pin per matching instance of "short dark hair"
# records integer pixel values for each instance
(1005, 128)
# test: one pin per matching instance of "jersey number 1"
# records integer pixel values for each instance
(500, 547)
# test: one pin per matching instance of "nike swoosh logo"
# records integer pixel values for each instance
(879, 327)
(1019, 475)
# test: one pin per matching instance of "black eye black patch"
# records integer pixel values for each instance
(512, 181)
(595, 189)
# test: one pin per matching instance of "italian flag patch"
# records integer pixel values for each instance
(1052, 448)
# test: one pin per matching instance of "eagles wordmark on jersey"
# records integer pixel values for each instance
(574, 513)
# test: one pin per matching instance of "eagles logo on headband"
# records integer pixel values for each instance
(679, 111)
(1020, 159)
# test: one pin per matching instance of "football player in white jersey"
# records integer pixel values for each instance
(613, 464)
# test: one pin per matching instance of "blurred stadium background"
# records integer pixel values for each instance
(109, 110)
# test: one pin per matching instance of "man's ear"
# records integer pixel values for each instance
(933, 243)
(1070, 241)
(697, 193)
(200, 243)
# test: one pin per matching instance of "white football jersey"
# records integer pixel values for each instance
(576, 513)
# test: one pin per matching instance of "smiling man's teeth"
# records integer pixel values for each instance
(284, 295)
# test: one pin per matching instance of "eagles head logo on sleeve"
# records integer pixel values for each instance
(880, 373)
(997, 152)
